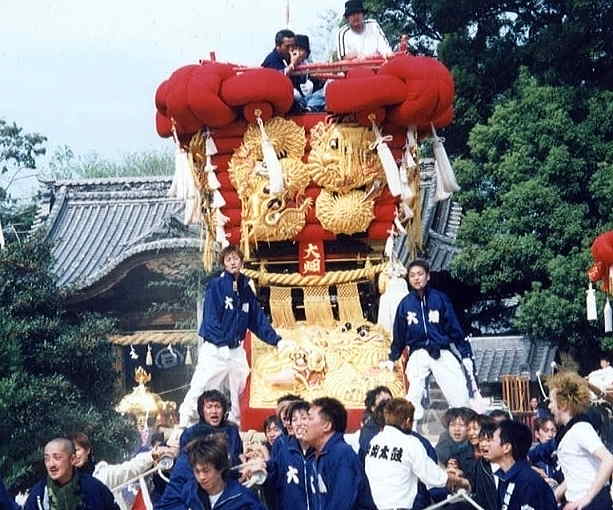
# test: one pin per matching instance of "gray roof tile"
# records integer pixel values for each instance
(95, 224)
(496, 356)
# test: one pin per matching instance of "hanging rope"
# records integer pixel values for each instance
(330, 278)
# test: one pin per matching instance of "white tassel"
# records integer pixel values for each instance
(188, 355)
(399, 226)
(592, 312)
(406, 192)
(411, 143)
(149, 357)
(273, 167)
(211, 178)
(209, 144)
(608, 317)
(179, 186)
(386, 157)
(406, 211)
(193, 199)
(450, 185)
(220, 236)
(440, 194)
(133, 353)
(388, 251)
(221, 218)
(218, 200)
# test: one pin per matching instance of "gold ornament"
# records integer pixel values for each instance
(287, 137)
(266, 216)
(142, 402)
(347, 213)
(341, 158)
(326, 361)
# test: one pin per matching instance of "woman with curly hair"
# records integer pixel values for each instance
(585, 461)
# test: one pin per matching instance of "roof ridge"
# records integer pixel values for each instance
(111, 180)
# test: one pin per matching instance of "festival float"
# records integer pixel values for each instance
(315, 202)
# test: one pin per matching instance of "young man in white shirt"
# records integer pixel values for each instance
(397, 461)
(360, 38)
(585, 461)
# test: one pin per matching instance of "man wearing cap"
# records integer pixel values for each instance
(360, 38)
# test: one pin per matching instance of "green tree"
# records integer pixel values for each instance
(19, 152)
(536, 191)
(65, 164)
(485, 42)
(56, 370)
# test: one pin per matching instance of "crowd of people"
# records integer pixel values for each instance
(305, 462)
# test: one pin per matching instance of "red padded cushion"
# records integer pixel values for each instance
(259, 85)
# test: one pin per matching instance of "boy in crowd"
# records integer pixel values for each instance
(546, 463)
(338, 480)
(370, 427)
(289, 473)
(308, 92)
(455, 444)
(213, 410)
(519, 485)
(397, 460)
(272, 430)
(210, 486)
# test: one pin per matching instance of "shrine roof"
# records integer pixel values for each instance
(102, 228)
(496, 356)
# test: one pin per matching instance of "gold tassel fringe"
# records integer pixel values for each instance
(349, 307)
(281, 307)
(317, 306)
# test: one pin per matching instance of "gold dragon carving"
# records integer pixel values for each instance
(341, 161)
(270, 216)
(325, 361)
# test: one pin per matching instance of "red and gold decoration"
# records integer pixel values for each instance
(258, 177)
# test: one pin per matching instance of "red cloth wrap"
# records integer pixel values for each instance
(234, 216)
(314, 233)
(203, 96)
(429, 90)
(602, 248)
(160, 97)
(177, 107)
(231, 198)
(267, 85)
(358, 94)
(379, 230)
(163, 125)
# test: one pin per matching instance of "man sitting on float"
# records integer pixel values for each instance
(282, 58)
(230, 309)
(360, 37)
(427, 324)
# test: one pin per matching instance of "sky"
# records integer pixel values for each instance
(84, 73)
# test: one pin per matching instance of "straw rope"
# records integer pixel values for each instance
(330, 278)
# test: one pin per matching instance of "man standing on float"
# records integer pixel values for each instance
(427, 324)
(230, 309)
